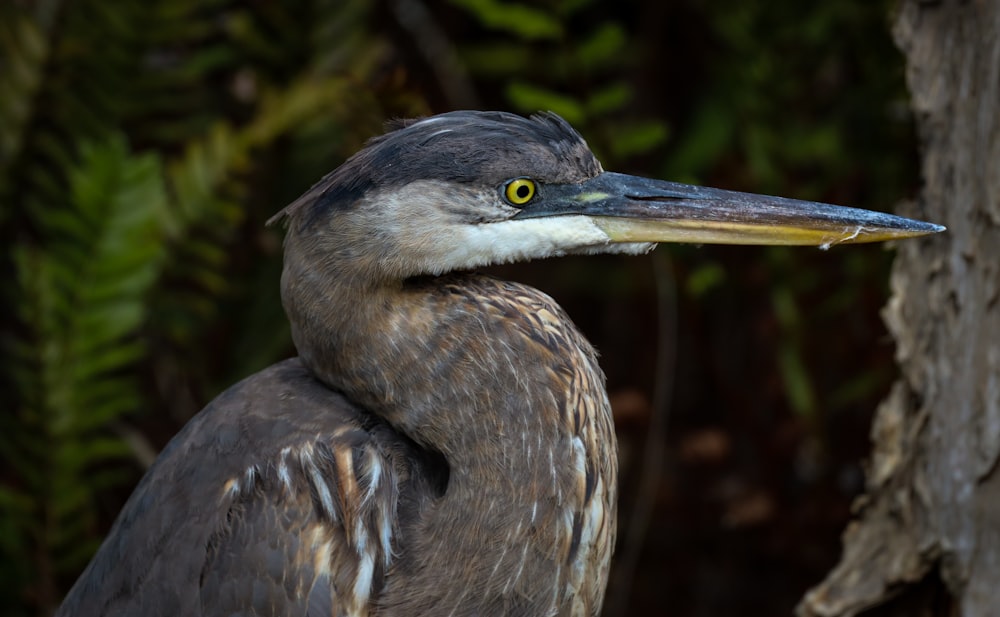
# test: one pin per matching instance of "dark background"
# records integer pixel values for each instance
(144, 143)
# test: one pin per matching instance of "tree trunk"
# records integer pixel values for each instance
(927, 541)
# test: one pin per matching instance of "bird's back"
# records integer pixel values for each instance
(246, 510)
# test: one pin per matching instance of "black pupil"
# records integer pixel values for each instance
(523, 191)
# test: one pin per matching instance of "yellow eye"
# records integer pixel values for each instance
(519, 191)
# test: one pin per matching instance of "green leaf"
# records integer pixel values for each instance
(610, 98)
(705, 278)
(498, 60)
(519, 19)
(638, 137)
(603, 47)
(529, 98)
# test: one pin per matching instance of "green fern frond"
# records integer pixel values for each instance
(83, 301)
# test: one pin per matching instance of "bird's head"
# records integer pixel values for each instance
(466, 189)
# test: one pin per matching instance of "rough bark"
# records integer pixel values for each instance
(927, 538)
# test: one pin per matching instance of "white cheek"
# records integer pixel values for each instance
(519, 240)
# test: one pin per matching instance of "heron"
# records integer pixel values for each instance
(443, 442)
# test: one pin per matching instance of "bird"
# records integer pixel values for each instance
(443, 443)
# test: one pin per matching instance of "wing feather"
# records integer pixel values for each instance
(286, 496)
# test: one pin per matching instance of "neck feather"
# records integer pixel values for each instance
(493, 376)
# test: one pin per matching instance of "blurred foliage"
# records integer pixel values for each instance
(585, 75)
(807, 101)
(136, 145)
(144, 143)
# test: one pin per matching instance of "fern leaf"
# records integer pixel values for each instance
(85, 299)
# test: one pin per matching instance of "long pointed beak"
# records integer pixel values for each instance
(635, 209)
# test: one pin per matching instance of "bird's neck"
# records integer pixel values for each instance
(494, 377)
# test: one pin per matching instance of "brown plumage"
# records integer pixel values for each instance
(301, 501)
(443, 445)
